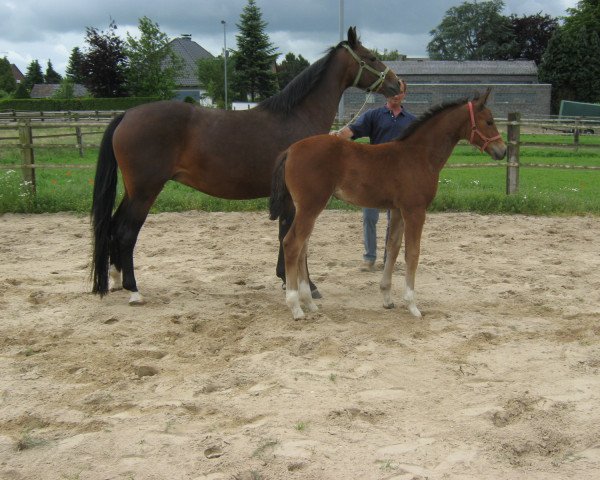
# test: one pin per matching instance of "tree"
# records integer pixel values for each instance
(585, 14)
(473, 31)
(66, 89)
(51, 75)
(571, 62)
(211, 76)
(152, 63)
(74, 67)
(562, 64)
(391, 55)
(532, 34)
(34, 74)
(8, 83)
(104, 62)
(255, 59)
(289, 68)
(22, 91)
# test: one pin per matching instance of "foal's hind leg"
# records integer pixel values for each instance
(285, 222)
(392, 246)
(306, 296)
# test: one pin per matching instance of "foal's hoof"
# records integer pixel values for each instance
(136, 299)
(315, 294)
(389, 306)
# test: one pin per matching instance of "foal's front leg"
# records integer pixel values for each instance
(392, 247)
(413, 227)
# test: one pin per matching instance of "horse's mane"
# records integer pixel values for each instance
(295, 91)
(432, 112)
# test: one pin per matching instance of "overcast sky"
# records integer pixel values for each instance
(49, 30)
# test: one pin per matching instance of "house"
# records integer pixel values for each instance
(19, 77)
(47, 90)
(187, 79)
(515, 86)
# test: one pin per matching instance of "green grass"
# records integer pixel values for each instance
(476, 189)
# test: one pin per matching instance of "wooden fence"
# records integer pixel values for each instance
(94, 122)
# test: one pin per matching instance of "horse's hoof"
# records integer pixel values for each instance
(415, 311)
(315, 294)
(389, 306)
(136, 299)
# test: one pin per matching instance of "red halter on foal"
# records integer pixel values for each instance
(475, 130)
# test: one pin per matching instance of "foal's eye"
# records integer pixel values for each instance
(490, 122)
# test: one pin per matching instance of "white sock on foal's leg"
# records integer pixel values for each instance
(136, 299)
(293, 301)
(409, 296)
(306, 297)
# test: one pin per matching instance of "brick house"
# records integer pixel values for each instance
(19, 77)
(515, 86)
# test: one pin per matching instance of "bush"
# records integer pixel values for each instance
(65, 104)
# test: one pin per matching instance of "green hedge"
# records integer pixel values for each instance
(58, 104)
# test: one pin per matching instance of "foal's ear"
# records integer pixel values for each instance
(352, 40)
(485, 96)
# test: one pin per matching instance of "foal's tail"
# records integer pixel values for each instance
(103, 202)
(280, 196)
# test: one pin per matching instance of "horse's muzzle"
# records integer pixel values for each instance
(497, 150)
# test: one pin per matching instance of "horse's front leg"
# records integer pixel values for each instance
(413, 227)
(393, 244)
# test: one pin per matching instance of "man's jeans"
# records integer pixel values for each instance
(370, 218)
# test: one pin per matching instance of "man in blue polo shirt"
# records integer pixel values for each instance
(381, 125)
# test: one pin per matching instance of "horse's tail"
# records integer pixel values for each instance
(103, 202)
(280, 195)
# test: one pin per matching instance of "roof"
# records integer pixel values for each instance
(190, 52)
(46, 90)
(467, 67)
(19, 77)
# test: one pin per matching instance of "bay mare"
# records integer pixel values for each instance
(226, 154)
(401, 175)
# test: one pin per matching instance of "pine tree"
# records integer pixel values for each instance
(73, 71)
(51, 76)
(33, 75)
(255, 78)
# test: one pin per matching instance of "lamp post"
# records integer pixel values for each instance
(225, 58)
(341, 104)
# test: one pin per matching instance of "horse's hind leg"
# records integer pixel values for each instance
(306, 295)
(127, 222)
(285, 222)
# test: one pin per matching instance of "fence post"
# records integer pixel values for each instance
(79, 136)
(576, 133)
(512, 158)
(27, 160)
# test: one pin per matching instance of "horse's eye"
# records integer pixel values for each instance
(490, 122)
(372, 59)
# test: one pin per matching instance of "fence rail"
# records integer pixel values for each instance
(25, 123)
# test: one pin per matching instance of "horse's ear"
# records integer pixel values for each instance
(352, 40)
(485, 96)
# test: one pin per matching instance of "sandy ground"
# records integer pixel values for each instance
(212, 379)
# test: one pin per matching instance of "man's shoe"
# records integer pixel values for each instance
(368, 266)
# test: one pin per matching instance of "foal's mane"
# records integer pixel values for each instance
(295, 91)
(432, 112)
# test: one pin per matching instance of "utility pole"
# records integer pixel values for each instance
(225, 57)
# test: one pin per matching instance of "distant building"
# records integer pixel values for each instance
(47, 90)
(187, 79)
(515, 86)
(19, 77)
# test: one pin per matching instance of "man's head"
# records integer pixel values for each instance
(398, 99)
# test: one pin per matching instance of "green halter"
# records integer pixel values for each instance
(363, 66)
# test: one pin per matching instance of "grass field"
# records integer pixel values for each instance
(479, 189)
